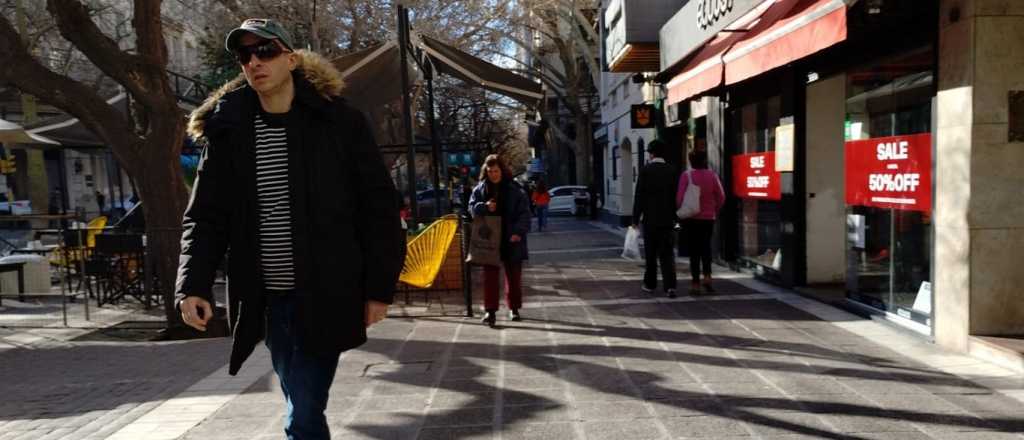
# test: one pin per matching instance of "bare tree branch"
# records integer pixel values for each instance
(75, 24)
(27, 74)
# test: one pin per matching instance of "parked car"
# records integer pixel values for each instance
(425, 201)
(572, 199)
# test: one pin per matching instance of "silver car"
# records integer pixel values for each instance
(569, 198)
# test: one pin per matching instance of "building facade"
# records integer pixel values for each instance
(629, 55)
(867, 147)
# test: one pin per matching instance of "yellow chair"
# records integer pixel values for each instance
(93, 228)
(71, 258)
(425, 253)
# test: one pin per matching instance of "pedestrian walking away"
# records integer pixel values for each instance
(654, 208)
(498, 195)
(541, 199)
(292, 183)
(699, 228)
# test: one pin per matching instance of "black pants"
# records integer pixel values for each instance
(659, 247)
(698, 243)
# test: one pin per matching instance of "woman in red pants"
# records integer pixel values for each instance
(498, 195)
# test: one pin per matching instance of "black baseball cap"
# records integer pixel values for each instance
(261, 27)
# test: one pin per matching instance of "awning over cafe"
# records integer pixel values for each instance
(372, 75)
(11, 133)
(473, 70)
(70, 132)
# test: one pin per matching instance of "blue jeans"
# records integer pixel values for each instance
(542, 217)
(305, 377)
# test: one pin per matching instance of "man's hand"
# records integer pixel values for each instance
(376, 311)
(515, 238)
(492, 205)
(191, 309)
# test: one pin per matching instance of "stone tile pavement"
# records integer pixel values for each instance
(594, 359)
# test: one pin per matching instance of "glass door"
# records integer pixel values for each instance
(888, 121)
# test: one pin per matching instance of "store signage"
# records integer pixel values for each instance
(642, 116)
(754, 176)
(696, 22)
(709, 11)
(890, 172)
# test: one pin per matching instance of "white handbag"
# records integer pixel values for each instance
(691, 200)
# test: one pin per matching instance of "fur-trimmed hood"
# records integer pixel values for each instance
(313, 68)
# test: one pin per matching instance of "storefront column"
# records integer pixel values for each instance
(979, 215)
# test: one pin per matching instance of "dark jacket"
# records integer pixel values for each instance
(345, 223)
(514, 209)
(655, 198)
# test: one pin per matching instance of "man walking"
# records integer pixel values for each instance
(290, 183)
(654, 206)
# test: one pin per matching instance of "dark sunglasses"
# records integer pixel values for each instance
(265, 51)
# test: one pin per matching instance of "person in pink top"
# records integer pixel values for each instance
(698, 229)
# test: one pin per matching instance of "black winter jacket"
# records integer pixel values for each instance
(655, 198)
(348, 245)
(514, 209)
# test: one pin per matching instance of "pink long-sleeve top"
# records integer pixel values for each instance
(712, 196)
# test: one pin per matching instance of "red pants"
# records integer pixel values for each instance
(513, 286)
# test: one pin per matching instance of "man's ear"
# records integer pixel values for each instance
(293, 61)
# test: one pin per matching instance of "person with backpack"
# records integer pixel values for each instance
(699, 227)
(654, 206)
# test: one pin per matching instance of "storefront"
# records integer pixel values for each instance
(888, 169)
(823, 124)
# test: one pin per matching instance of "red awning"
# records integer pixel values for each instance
(775, 33)
(788, 31)
(703, 70)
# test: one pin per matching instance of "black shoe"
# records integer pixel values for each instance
(514, 315)
(489, 318)
(707, 285)
(671, 293)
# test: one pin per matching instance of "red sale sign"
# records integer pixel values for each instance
(754, 176)
(890, 172)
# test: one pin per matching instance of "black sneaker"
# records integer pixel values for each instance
(671, 293)
(646, 289)
(489, 319)
(514, 315)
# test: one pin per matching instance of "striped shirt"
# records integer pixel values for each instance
(275, 233)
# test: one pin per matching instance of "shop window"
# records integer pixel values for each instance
(889, 249)
(759, 234)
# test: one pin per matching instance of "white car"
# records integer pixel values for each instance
(564, 198)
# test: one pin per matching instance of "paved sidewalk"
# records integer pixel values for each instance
(594, 359)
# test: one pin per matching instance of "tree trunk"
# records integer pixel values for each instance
(162, 189)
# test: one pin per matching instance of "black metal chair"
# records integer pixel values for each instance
(118, 267)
